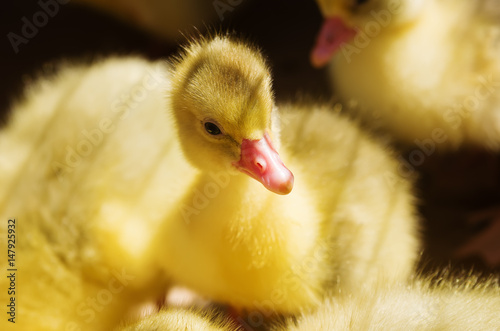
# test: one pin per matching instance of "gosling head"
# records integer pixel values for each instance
(223, 106)
(344, 19)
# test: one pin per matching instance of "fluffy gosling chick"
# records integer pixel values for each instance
(344, 223)
(425, 71)
(420, 69)
(80, 159)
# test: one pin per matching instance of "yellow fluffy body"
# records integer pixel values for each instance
(94, 167)
(175, 319)
(454, 303)
(425, 70)
(85, 206)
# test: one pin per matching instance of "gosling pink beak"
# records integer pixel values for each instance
(260, 161)
(332, 35)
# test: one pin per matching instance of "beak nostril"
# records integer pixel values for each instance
(260, 160)
(260, 164)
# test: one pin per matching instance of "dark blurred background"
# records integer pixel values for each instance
(285, 30)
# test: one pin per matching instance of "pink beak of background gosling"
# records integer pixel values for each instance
(332, 35)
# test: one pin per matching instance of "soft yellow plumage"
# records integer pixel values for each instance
(422, 70)
(175, 319)
(449, 304)
(81, 178)
(95, 169)
(426, 73)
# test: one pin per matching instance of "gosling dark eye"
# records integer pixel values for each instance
(212, 129)
(360, 2)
